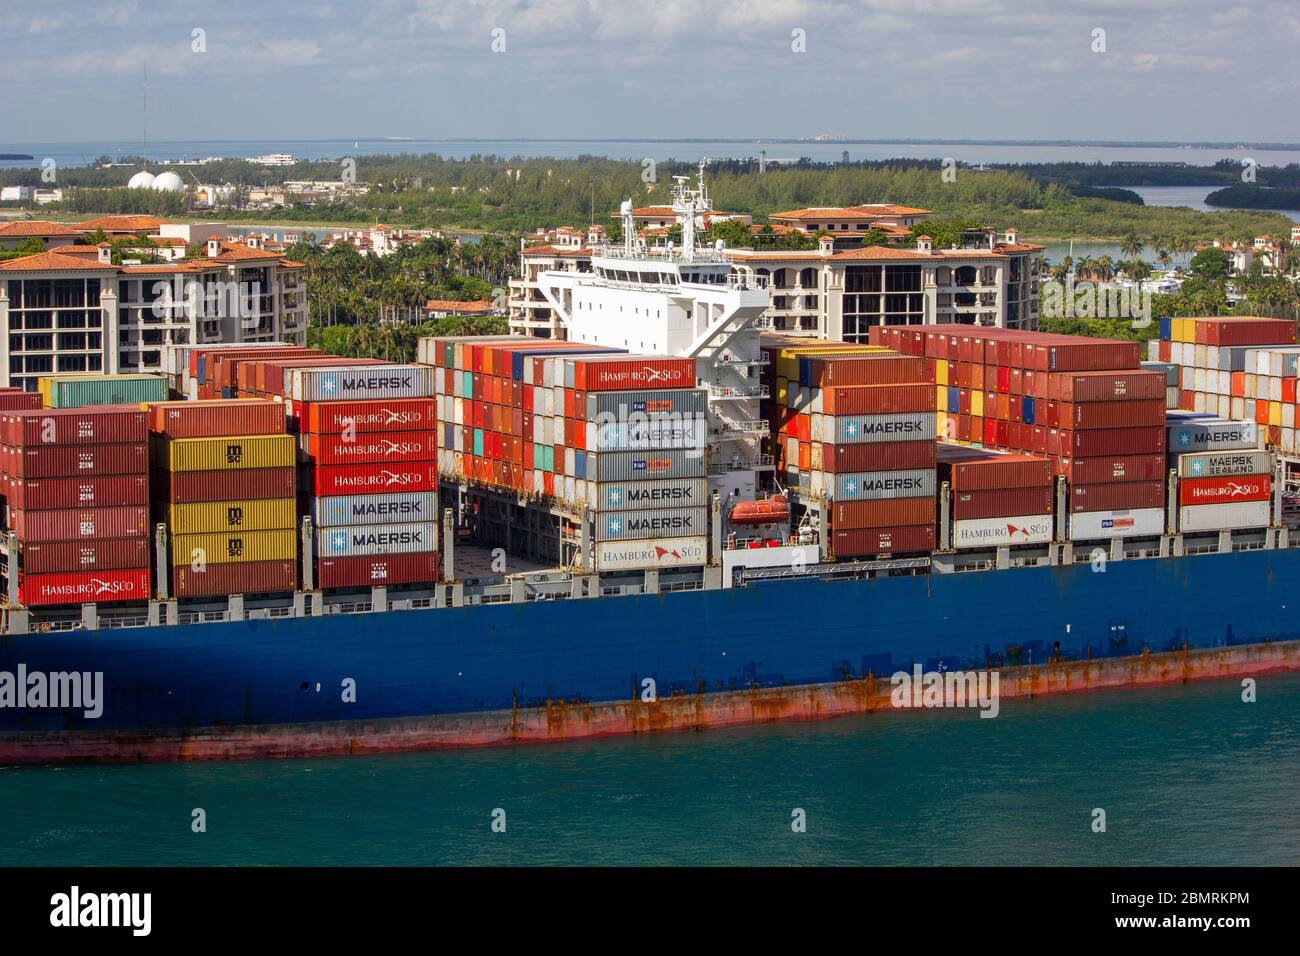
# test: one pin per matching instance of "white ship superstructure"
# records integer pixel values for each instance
(682, 301)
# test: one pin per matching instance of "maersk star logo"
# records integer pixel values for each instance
(850, 430)
(339, 541)
(615, 497)
(614, 525)
(1184, 438)
(850, 487)
(328, 386)
(1198, 466)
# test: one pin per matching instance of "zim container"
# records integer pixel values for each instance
(84, 587)
(73, 426)
(404, 507)
(871, 541)
(248, 577)
(1115, 495)
(216, 418)
(232, 547)
(184, 487)
(1092, 471)
(226, 453)
(370, 540)
(66, 461)
(1002, 502)
(878, 456)
(365, 571)
(41, 494)
(127, 521)
(980, 469)
(884, 513)
(253, 514)
(101, 554)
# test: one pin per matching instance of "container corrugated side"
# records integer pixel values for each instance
(1103, 386)
(871, 541)
(101, 554)
(42, 494)
(1117, 495)
(230, 547)
(184, 487)
(1240, 514)
(364, 571)
(65, 461)
(651, 524)
(73, 426)
(1223, 464)
(349, 540)
(216, 419)
(883, 513)
(878, 456)
(126, 521)
(637, 465)
(248, 514)
(1002, 502)
(84, 587)
(664, 493)
(327, 480)
(378, 415)
(375, 381)
(228, 453)
(680, 552)
(1091, 471)
(107, 390)
(368, 448)
(247, 577)
(403, 508)
(872, 485)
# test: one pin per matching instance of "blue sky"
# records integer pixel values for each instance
(301, 69)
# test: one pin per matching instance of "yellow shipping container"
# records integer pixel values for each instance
(254, 514)
(977, 402)
(941, 398)
(232, 547)
(1184, 330)
(941, 371)
(224, 454)
(1275, 414)
(787, 360)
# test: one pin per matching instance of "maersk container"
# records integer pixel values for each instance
(866, 542)
(1240, 514)
(328, 480)
(1223, 464)
(370, 540)
(230, 547)
(42, 494)
(101, 554)
(365, 571)
(66, 461)
(860, 429)
(247, 577)
(370, 447)
(683, 552)
(247, 514)
(106, 390)
(637, 465)
(376, 415)
(668, 493)
(1227, 490)
(84, 587)
(872, 485)
(227, 453)
(654, 523)
(374, 509)
(882, 513)
(655, 433)
(184, 487)
(995, 532)
(374, 381)
(214, 419)
(127, 521)
(1100, 525)
(1215, 434)
(73, 426)
(622, 405)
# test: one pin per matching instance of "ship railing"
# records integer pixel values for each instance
(350, 607)
(743, 281)
(751, 427)
(740, 464)
(682, 586)
(135, 620)
(728, 391)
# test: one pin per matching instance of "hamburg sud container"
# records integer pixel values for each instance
(997, 498)
(371, 468)
(74, 481)
(225, 487)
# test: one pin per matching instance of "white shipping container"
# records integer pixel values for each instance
(655, 523)
(862, 429)
(666, 493)
(401, 508)
(989, 532)
(877, 485)
(1219, 434)
(1097, 525)
(681, 552)
(1225, 464)
(1237, 514)
(366, 381)
(668, 432)
(414, 538)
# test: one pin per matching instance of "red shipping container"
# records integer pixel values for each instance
(871, 541)
(878, 456)
(864, 370)
(15, 399)
(1001, 503)
(371, 447)
(375, 478)
(885, 513)
(623, 374)
(40, 494)
(217, 419)
(977, 469)
(1092, 443)
(1135, 414)
(94, 425)
(1092, 471)
(127, 521)
(104, 554)
(1117, 496)
(361, 571)
(189, 487)
(65, 461)
(1222, 491)
(1104, 386)
(243, 577)
(84, 587)
(877, 399)
(1245, 330)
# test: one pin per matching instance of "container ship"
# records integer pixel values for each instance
(669, 519)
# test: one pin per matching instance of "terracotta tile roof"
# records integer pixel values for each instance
(120, 224)
(76, 250)
(53, 262)
(453, 305)
(35, 228)
(861, 211)
(554, 251)
(166, 268)
(238, 251)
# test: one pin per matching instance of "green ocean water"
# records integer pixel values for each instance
(1186, 776)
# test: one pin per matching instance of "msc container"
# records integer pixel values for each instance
(84, 587)
(228, 453)
(1129, 523)
(859, 429)
(73, 426)
(247, 577)
(327, 480)
(369, 447)
(994, 532)
(1117, 495)
(364, 571)
(667, 493)
(103, 554)
(348, 540)
(677, 401)
(184, 487)
(1091, 471)
(106, 390)
(373, 381)
(1002, 502)
(127, 521)
(1222, 491)
(655, 523)
(378, 415)
(41, 494)
(231, 547)
(1102, 386)
(618, 373)
(882, 513)
(66, 461)
(1240, 514)
(1216, 434)
(250, 514)
(217, 418)
(681, 552)
(869, 541)
(1223, 464)
(878, 456)
(374, 509)
(634, 465)
(873, 485)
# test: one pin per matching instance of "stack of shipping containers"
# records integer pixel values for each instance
(13, 399)
(224, 485)
(996, 497)
(76, 492)
(1225, 480)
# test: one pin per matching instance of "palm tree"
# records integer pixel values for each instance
(1106, 267)
(1164, 257)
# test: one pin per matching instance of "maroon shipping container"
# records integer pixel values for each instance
(878, 399)
(367, 479)
(886, 513)
(980, 469)
(104, 554)
(188, 487)
(41, 494)
(373, 415)
(93, 425)
(13, 399)
(1001, 503)
(1100, 386)
(1117, 496)
(1145, 413)
(362, 571)
(865, 542)
(243, 577)
(1073, 354)
(1245, 330)
(84, 587)
(1092, 443)
(66, 461)
(366, 448)
(127, 521)
(878, 456)
(217, 419)
(1093, 471)
(865, 370)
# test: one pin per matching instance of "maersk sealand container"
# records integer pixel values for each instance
(373, 381)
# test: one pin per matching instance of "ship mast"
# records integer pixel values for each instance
(686, 202)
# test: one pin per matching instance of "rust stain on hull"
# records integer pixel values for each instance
(559, 721)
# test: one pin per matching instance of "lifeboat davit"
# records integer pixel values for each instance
(773, 509)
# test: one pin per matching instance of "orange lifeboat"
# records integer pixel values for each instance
(773, 509)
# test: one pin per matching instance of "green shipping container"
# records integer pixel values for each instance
(478, 442)
(107, 390)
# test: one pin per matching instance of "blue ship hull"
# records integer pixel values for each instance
(171, 683)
